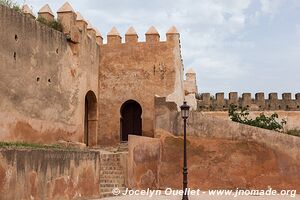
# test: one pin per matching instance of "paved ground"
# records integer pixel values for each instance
(205, 197)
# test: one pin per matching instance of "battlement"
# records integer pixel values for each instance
(74, 24)
(131, 37)
(206, 102)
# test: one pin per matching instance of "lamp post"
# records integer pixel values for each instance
(185, 114)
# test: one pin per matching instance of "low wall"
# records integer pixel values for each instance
(49, 174)
(217, 125)
(212, 127)
(143, 162)
(212, 163)
(226, 164)
(224, 154)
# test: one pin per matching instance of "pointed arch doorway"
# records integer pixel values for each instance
(90, 119)
(131, 119)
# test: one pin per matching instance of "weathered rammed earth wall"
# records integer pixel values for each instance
(214, 162)
(49, 174)
(58, 174)
(44, 79)
(292, 117)
(212, 127)
(206, 102)
(139, 71)
(221, 154)
(227, 163)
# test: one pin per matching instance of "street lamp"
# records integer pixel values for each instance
(185, 114)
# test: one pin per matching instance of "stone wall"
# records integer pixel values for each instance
(227, 164)
(190, 89)
(292, 117)
(224, 154)
(59, 174)
(212, 163)
(206, 102)
(166, 114)
(44, 78)
(213, 127)
(137, 71)
(47, 174)
(143, 162)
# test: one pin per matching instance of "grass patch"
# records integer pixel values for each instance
(55, 24)
(294, 132)
(21, 145)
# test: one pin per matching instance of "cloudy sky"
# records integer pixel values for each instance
(233, 45)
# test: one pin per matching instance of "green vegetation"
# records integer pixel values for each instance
(294, 132)
(29, 145)
(55, 24)
(261, 121)
(11, 4)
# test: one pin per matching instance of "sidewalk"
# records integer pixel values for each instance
(204, 197)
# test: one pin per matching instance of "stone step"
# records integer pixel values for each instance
(114, 172)
(111, 167)
(123, 147)
(108, 194)
(108, 157)
(113, 182)
(112, 178)
(109, 189)
(111, 172)
(107, 179)
(111, 186)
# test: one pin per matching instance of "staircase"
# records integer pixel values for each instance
(111, 174)
(123, 147)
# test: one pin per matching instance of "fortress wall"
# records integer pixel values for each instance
(166, 114)
(224, 154)
(139, 71)
(225, 164)
(212, 127)
(292, 117)
(213, 162)
(206, 102)
(44, 80)
(49, 174)
(144, 157)
(202, 125)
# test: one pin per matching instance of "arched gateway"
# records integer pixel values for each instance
(90, 119)
(131, 120)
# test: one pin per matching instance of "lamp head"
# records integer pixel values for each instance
(185, 110)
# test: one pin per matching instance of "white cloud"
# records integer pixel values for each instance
(220, 39)
(271, 7)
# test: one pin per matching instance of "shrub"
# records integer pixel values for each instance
(11, 4)
(55, 24)
(261, 121)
